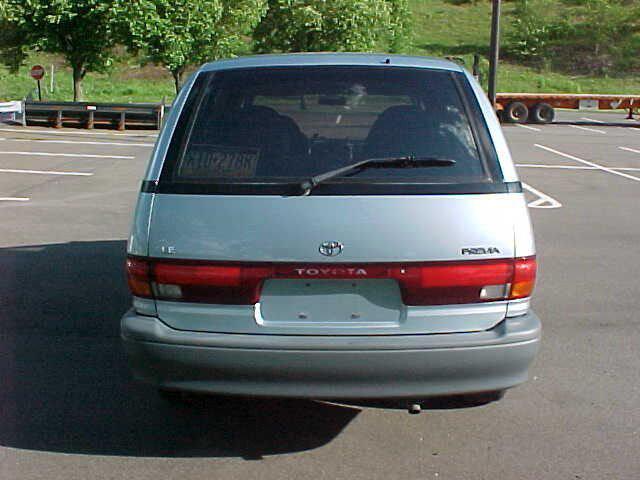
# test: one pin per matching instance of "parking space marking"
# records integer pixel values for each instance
(588, 129)
(66, 132)
(76, 155)
(45, 172)
(563, 167)
(75, 142)
(592, 120)
(14, 199)
(587, 162)
(528, 127)
(574, 167)
(543, 200)
(627, 149)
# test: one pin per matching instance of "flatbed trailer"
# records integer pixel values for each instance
(540, 107)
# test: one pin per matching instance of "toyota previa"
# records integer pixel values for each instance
(331, 226)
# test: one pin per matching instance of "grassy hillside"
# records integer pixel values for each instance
(440, 28)
(126, 82)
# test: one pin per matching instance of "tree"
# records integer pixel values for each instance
(12, 52)
(80, 30)
(179, 33)
(332, 25)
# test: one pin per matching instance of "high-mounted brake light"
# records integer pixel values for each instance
(429, 283)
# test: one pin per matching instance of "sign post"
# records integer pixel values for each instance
(37, 73)
(494, 51)
(52, 80)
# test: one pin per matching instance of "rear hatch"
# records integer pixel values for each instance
(240, 243)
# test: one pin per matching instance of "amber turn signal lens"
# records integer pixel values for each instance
(524, 278)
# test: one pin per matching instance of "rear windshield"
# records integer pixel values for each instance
(277, 126)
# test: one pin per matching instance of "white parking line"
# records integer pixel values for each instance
(76, 155)
(543, 200)
(627, 149)
(567, 167)
(14, 199)
(39, 140)
(588, 129)
(67, 132)
(592, 120)
(574, 167)
(528, 127)
(586, 162)
(45, 172)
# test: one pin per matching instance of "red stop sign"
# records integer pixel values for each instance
(37, 72)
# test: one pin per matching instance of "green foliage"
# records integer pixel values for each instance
(332, 25)
(81, 30)
(401, 25)
(440, 28)
(592, 36)
(179, 33)
(13, 50)
(534, 29)
(462, 2)
(607, 29)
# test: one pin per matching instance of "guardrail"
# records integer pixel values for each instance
(89, 115)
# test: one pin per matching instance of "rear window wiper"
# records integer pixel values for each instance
(409, 161)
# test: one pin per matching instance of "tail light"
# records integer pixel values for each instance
(138, 277)
(524, 278)
(430, 283)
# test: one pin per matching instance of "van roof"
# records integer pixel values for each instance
(319, 59)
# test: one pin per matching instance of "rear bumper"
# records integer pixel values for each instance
(408, 366)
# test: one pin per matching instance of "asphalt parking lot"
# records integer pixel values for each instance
(69, 409)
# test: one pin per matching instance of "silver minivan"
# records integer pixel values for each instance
(332, 226)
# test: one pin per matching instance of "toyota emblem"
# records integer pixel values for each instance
(330, 249)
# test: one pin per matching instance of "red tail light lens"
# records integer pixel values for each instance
(443, 283)
(524, 277)
(433, 283)
(208, 275)
(138, 277)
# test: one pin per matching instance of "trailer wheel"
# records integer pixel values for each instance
(542, 113)
(515, 112)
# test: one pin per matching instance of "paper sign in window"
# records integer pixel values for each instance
(215, 161)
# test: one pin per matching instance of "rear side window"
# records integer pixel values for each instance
(263, 129)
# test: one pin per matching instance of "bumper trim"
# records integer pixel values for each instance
(407, 366)
(151, 329)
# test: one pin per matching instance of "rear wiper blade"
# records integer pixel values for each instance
(409, 161)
